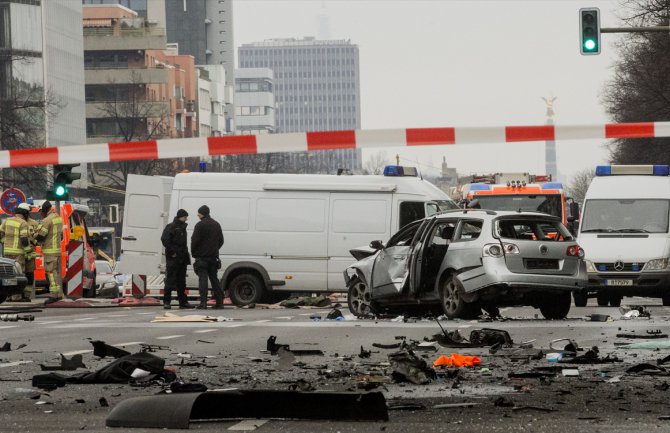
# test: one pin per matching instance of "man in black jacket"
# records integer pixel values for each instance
(206, 241)
(177, 259)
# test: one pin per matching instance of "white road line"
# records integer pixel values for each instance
(261, 321)
(84, 318)
(284, 317)
(204, 331)
(144, 314)
(14, 364)
(8, 327)
(77, 352)
(169, 337)
(234, 325)
(51, 322)
(117, 315)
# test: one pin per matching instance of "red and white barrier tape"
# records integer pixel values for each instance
(328, 140)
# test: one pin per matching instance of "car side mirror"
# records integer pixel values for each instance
(376, 245)
(574, 211)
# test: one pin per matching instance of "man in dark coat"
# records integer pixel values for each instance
(206, 241)
(177, 259)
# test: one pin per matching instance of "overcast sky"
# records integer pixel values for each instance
(430, 63)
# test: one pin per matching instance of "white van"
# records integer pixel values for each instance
(624, 233)
(283, 232)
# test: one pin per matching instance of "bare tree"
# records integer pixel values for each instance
(376, 163)
(579, 184)
(640, 88)
(135, 116)
(24, 107)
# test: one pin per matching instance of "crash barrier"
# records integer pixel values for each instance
(139, 285)
(75, 270)
(326, 140)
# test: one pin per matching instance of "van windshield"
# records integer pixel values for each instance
(626, 216)
(550, 204)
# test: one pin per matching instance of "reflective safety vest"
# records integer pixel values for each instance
(14, 232)
(51, 230)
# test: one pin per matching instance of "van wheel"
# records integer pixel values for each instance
(556, 307)
(603, 300)
(581, 299)
(666, 299)
(359, 298)
(615, 301)
(453, 305)
(246, 289)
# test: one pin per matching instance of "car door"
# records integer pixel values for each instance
(417, 256)
(390, 269)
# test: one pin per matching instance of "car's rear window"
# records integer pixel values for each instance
(532, 230)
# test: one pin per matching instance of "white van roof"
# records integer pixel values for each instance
(629, 187)
(307, 182)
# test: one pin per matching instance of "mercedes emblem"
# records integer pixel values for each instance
(618, 266)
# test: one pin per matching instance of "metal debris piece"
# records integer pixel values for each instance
(102, 350)
(408, 367)
(65, 364)
(273, 347)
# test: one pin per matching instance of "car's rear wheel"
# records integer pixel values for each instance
(246, 289)
(453, 304)
(603, 300)
(359, 298)
(581, 299)
(556, 307)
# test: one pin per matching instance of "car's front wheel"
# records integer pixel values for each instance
(359, 298)
(603, 299)
(453, 304)
(581, 299)
(556, 307)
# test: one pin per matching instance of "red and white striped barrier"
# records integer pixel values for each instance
(75, 270)
(328, 140)
(139, 285)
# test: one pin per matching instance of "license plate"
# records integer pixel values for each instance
(9, 282)
(618, 282)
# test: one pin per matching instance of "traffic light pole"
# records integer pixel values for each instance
(655, 29)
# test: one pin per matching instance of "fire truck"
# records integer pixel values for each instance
(522, 192)
(74, 223)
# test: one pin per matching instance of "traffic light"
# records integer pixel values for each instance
(63, 177)
(589, 31)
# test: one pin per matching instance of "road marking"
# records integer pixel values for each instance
(284, 317)
(248, 425)
(8, 327)
(14, 364)
(144, 314)
(51, 323)
(203, 331)
(262, 321)
(118, 315)
(234, 325)
(169, 337)
(77, 352)
(84, 318)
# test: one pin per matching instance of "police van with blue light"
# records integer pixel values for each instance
(283, 233)
(624, 232)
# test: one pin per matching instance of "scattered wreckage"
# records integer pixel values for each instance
(468, 259)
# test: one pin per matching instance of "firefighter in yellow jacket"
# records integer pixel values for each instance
(29, 291)
(14, 235)
(50, 235)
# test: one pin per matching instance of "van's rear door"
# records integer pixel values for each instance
(144, 217)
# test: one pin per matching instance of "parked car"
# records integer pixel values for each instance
(105, 280)
(464, 259)
(12, 279)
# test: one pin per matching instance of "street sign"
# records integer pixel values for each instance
(10, 199)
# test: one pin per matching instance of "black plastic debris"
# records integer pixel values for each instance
(648, 335)
(407, 367)
(7, 347)
(649, 369)
(452, 339)
(180, 386)
(65, 364)
(176, 411)
(334, 314)
(273, 347)
(598, 317)
(103, 402)
(591, 356)
(490, 337)
(364, 353)
(386, 346)
(102, 350)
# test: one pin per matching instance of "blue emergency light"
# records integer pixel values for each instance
(480, 187)
(400, 171)
(552, 185)
(602, 268)
(649, 170)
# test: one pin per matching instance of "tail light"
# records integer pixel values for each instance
(493, 250)
(511, 249)
(574, 251)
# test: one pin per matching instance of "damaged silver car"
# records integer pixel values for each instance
(464, 260)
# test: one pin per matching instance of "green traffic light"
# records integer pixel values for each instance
(589, 45)
(60, 190)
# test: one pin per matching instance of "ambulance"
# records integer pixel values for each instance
(283, 233)
(74, 221)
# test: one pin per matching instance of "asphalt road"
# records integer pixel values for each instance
(231, 352)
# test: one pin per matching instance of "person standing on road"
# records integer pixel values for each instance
(206, 241)
(49, 236)
(177, 259)
(29, 291)
(16, 241)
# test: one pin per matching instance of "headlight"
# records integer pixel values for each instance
(656, 265)
(590, 267)
(17, 269)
